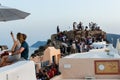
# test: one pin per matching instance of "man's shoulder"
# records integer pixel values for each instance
(25, 43)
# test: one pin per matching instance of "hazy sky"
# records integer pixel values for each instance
(47, 14)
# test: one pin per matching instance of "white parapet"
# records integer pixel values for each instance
(21, 70)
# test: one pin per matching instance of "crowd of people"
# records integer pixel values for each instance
(48, 72)
(83, 37)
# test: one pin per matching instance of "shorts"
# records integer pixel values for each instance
(14, 58)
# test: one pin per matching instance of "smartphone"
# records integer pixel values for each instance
(11, 33)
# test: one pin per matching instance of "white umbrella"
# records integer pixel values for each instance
(8, 14)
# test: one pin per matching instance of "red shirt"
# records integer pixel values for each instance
(50, 73)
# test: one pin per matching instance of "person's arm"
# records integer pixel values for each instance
(14, 45)
(12, 37)
(15, 42)
(19, 51)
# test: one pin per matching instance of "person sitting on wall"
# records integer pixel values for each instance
(24, 49)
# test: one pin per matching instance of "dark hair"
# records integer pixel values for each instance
(24, 36)
(33, 55)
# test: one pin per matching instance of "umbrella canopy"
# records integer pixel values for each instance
(8, 14)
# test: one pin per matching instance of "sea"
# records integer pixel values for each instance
(31, 51)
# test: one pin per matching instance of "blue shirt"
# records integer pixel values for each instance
(24, 54)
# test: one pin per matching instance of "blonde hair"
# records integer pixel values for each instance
(21, 38)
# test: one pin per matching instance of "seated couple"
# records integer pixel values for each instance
(20, 50)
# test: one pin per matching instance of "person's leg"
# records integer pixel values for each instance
(3, 61)
(6, 60)
(37, 67)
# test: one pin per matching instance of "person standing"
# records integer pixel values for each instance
(58, 29)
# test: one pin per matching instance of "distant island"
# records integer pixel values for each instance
(38, 44)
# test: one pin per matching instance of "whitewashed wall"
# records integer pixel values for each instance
(22, 70)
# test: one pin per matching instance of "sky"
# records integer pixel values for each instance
(45, 15)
